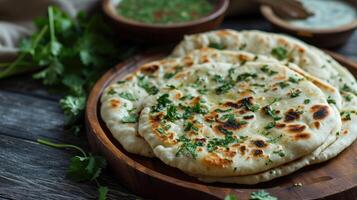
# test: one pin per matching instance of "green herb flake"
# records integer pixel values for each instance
(270, 125)
(272, 113)
(266, 70)
(295, 93)
(348, 98)
(331, 101)
(216, 46)
(127, 95)
(148, 87)
(188, 147)
(131, 118)
(280, 53)
(231, 196)
(280, 153)
(261, 195)
(162, 102)
(294, 79)
(307, 101)
(283, 84)
(246, 76)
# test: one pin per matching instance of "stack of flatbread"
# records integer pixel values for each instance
(235, 107)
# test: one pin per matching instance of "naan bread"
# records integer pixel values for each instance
(223, 119)
(127, 95)
(290, 50)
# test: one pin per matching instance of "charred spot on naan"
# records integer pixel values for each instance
(149, 68)
(295, 128)
(214, 160)
(301, 136)
(257, 153)
(317, 124)
(320, 112)
(115, 103)
(291, 115)
(259, 143)
(280, 125)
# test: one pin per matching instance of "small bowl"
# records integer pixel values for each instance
(324, 38)
(161, 33)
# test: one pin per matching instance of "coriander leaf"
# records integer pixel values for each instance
(188, 147)
(131, 118)
(72, 107)
(268, 71)
(148, 87)
(216, 46)
(103, 191)
(330, 100)
(280, 53)
(261, 195)
(75, 84)
(162, 102)
(85, 168)
(127, 95)
(231, 197)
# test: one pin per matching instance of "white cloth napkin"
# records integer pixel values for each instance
(16, 19)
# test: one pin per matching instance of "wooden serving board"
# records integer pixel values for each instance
(335, 179)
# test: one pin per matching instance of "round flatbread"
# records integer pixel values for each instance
(223, 119)
(122, 101)
(290, 50)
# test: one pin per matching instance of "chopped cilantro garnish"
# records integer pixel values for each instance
(250, 106)
(131, 118)
(188, 147)
(346, 115)
(266, 70)
(307, 101)
(246, 76)
(280, 53)
(283, 84)
(216, 46)
(161, 131)
(279, 152)
(218, 78)
(188, 126)
(215, 142)
(270, 125)
(111, 91)
(148, 87)
(347, 88)
(186, 97)
(272, 113)
(172, 114)
(294, 79)
(225, 87)
(242, 46)
(348, 98)
(295, 93)
(162, 102)
(127, 95)
(222, 111)
(330, 100)
(169, 75)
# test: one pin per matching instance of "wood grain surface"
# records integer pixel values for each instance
(28, 112)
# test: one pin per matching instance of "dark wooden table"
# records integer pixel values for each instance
(28, 112)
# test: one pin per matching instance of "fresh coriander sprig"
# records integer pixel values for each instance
(86, 167)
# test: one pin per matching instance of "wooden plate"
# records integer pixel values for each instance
(335, 179)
